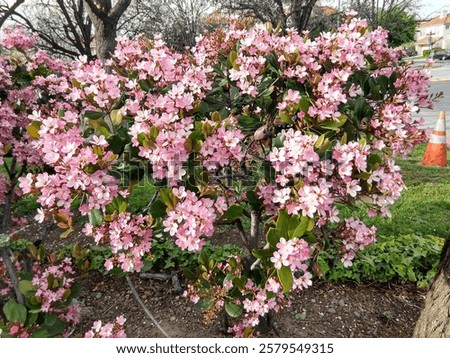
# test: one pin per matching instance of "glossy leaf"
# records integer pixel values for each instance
(285, 276)
(233, 309)
(15, 312)
(95, 217)
(234, 212)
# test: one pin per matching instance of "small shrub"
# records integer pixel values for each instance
(404, 258)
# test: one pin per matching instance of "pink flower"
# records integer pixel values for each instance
(191, 219)
(17, 37)
(272, 285)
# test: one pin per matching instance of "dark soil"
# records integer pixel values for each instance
(326, 309)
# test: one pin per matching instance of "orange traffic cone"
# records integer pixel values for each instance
(436, 152)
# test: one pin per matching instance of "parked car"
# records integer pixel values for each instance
(441, 55)
(410, 53)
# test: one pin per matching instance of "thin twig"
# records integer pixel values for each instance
(12, 274)
(152, 200)
(242, 234)
(144, 307)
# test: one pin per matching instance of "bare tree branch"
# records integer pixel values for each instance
(6, 11)
(119, 8)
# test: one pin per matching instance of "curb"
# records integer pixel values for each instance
(445, 79)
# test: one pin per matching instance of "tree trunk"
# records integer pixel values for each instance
(105, 38)
(301, 13)
(434, 321)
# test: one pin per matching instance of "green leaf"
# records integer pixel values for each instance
(273, 60)
(145, 86)
(119, 204)
(26, 288)
(234, 212)
(154, 131)
(158, 209)
(95, 217)
(233, 309)
(50, 318)
(285, 277)
(262, 253)
(249, 123)
(273, 236)
(42, 333)
(166, 197)
(310, 225)
(94, 115)
(204, 259)
(65, 234)
(239, 282)
(362, 108)
(216, 117)
(32, 318)
(56, 328)
(282, 223)
(76, 290)
(334, 125)
(116, 144)
(204, 304)
(116, 117)
(33, 129)
(285, 117)
(232, 57)
(304, 104)
(300, 228)
(189, 274)
(253, 200)
(15, 312)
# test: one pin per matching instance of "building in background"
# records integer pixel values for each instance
(434, 33)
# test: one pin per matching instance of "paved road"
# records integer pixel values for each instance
(440, 82)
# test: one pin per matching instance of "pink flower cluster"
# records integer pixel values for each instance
(107, 330)
(52, 285)
(17, 331)
(295, 158)
(166, 112)
(81, 168)
(192, 218)
(95, 85)
(303, 179)
(129, 238)
(41, 91)
(17, 37)
(291, 253)
(222, 148)
(388, 181)
(168, 154)
(355, 236)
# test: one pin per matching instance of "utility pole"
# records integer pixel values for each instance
(339, 14)
(430, 39)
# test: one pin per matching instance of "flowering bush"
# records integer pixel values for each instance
(28, 82)
(279, 128)
(49, 291)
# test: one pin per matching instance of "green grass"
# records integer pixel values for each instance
(141, 195)
(415, 174)
(424, 207)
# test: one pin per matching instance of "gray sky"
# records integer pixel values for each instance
(432, 8)
(428, 8)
